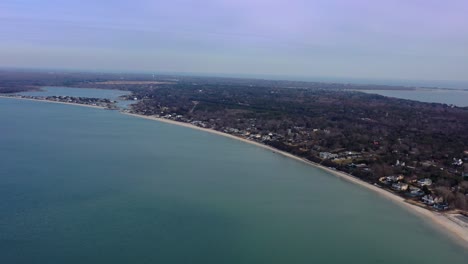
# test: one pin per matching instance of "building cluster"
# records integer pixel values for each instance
(99, 102)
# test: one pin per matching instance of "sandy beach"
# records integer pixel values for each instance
(438, 220)
(49, 101)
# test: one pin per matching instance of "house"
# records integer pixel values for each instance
(398, 163)
(441, 206)
(349, 154)
(456, 162)
(399, 186)
(414, 191)
(360, 165)
(438, 200)
(391, 179)
(425, 182)
(327, 155)
(387, 180)
(428, 199)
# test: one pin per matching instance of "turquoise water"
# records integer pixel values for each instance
(84, 185)
(455, 97)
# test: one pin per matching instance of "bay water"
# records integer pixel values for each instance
(85, 185)
(443, 96)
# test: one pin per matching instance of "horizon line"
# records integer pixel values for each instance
(413, 83)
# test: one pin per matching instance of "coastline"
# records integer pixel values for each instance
(438, 220)
(50, 101)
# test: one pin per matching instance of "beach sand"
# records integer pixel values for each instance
(440, 221)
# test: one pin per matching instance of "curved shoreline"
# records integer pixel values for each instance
(437, 220)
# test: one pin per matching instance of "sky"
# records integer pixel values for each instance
(385, 39)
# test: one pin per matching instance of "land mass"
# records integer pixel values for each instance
(81, 101)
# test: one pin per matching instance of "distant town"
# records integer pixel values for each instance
(97, 102)
(416, 150)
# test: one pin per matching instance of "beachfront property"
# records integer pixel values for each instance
(399, 186)
(432, 200)
(441, 206)
(415, 191)
(391, 179)
(424, 182)
(428, 199)
(327, 155)
(359, 165)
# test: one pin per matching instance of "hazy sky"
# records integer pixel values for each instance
(403, 39)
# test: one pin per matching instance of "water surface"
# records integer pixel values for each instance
(451, 97)
(84, 185)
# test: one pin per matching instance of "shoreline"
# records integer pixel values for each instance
(50, 101)
(439, 221)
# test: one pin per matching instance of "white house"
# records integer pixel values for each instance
(425, 182)
(428, 199)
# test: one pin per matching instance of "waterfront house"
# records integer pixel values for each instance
(441, 206)
(391, 179)
(425, 182)
(414, 191)
(327, 155)
(399, 186)
(428, 199)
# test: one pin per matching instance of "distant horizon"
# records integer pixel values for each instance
(448, 84)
